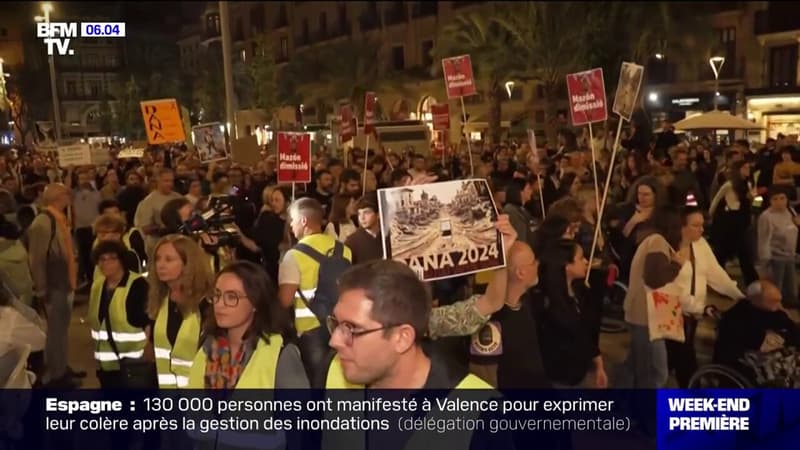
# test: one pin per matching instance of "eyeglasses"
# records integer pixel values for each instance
(349, 331)
(229, 298)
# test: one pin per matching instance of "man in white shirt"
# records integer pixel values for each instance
(148, 214)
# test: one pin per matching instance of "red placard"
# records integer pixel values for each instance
(440, 144)
(587, 97)
(441, 116)
(458, 76)
(294, 157)
(346, 130)
(369, 112)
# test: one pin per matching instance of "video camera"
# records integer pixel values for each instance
(218, 221)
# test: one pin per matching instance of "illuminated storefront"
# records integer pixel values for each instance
(776, 113)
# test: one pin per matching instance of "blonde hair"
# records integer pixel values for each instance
(196, 279)
(266, 198)
(110, 222)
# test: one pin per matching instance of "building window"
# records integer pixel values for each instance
(91, 60)
(71, 88)
(517, 93)
(94, 88)
(398, 57)
(284, 47)
(238, 31)
(727, 39)
(253, 48)
(306, 31)
(427, 58)
(283, 19)
(243, 55)
(342, 17)
(323, 24)
(257, 19)
(539, 116)
(539, 91)
(783, 66)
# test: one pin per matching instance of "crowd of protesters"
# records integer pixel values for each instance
(678, 212)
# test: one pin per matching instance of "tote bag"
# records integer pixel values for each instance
(664, 313)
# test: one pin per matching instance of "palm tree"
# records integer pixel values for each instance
(345, 70)
(480, 35)
(550, 44)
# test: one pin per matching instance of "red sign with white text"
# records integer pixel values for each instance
(346, 130)
(294, 157)
(369, 112)
(441, 116)
(587, 97)
(458, 76)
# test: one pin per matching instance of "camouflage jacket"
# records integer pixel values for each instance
(459, 319)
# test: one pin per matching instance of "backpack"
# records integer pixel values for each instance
(331, 266)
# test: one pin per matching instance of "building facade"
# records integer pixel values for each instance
(759, 77)
(407, 32)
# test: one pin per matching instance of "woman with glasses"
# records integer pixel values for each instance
(118, 319)
(179, 281)
(243, 347)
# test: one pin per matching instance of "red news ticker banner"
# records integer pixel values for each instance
(369, 112)
(458, 77)
(587, 97)
(441, 116)
(294, 157)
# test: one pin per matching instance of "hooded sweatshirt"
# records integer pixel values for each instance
(14, 270)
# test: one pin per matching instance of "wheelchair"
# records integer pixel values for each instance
(613, 316)
(775, 369)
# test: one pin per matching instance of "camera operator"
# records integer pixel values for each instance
(214, 229)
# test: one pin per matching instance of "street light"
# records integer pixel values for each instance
(509, 87)
(716, 63)
(47, 8)
(653, 97)
(659, 56)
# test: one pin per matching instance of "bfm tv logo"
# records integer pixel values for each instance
(56, 36)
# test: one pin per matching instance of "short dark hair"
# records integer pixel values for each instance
(350, 175)
(397, 294)
(268, 316)
(398, 175)
(218, 176)
(335, 162)
(667, 222)
(109, 247)
(369, 200)
(320, 173)
(107, 204)
(778, 189)
(8, 230)
(514, 191)
(687, 211)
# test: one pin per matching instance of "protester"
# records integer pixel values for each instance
(148, 213)
(14, 271)
(366, 243)
(86, 200)
(180, 279)
(269, 230)
(243, 346)
(52, 261)
(118, 318)
(340, 224)
(777, 244)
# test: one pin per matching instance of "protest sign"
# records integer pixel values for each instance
(246, 151)
(630, 80)
(162, 121)
(130, 153)
(458, 77)
(100, 153)
(45, 135)
(369, 112)
(441, 116)
(441, 230)
(209, 139)
(74, 155)
(294, 158)
(587, 97)
(346, 128)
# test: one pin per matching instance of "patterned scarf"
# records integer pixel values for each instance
(223, 369)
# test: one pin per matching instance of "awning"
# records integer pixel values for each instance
(716, 120)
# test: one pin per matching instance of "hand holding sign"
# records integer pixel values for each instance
(508, 232)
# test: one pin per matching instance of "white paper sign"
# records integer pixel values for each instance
(129, 153)
(74, 155)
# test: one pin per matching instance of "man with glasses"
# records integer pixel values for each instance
(381, 320)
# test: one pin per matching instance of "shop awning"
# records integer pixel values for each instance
(716, 120)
